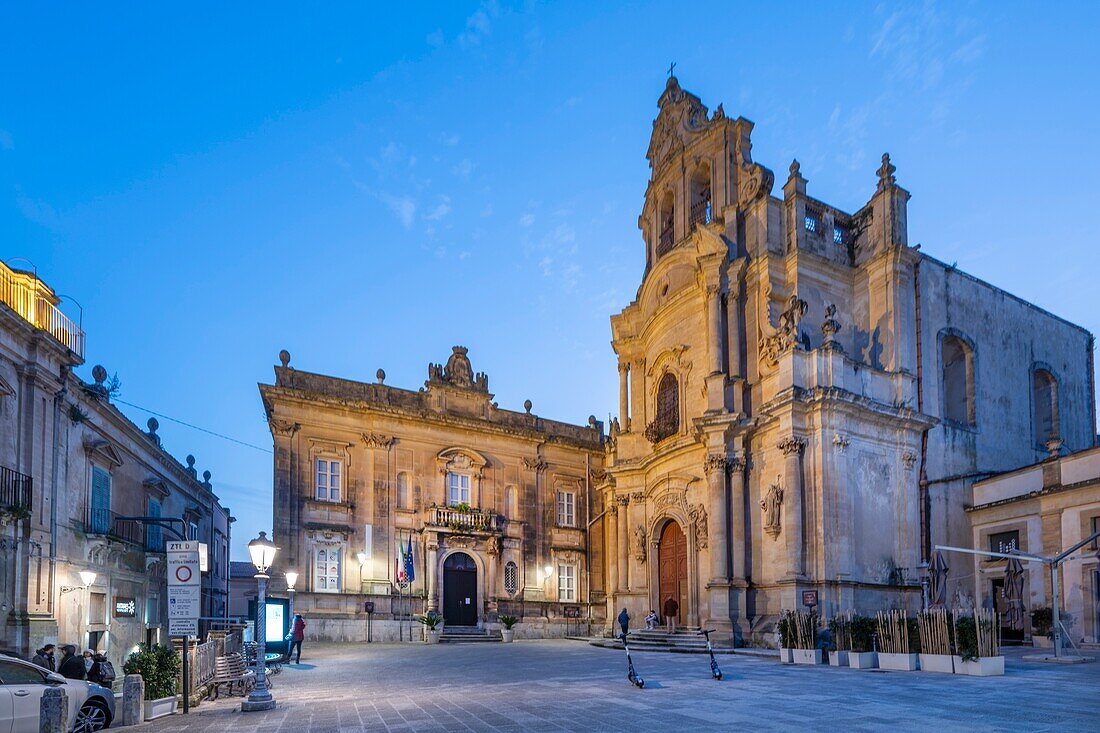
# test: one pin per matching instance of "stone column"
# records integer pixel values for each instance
(737, 519)
(493, 551)
(624, 407)
(714, 321)
(624, 541)
(637, 394)
(432, 545)
(610, 536)
(792, 506)
(718, 509)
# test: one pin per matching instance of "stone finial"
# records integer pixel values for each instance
(527, 406)
(99, 374)
(191, 465)
(380, 375)
(206, 476)
(795, 169)
(284, 358)
(886, 173)
(592, 421)
(830, 327)
(153, 425)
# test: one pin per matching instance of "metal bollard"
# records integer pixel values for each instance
(133, 698)
(53, 711)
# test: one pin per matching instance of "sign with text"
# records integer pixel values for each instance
(125, 607)
(184, 584)
(572, 611)
(183, 627)
(809, 598)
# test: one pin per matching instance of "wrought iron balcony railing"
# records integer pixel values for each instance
(36, 304)
(665, 242)
(478, 520)
(700, 212)
(16, 491)
(108, 524)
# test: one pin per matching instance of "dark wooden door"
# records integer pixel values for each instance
(460, 590)
(672, 564)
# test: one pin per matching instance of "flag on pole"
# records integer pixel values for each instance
(410, 573)
(399, 565)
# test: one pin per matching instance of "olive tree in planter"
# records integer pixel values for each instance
(803, 628)
(783, 629)
(1042, 628)
(431, 620)
(978, 641)
(936, 641)
(861, 630)
(159, 667)
(841, 628)
(507, 634)
(898, 641)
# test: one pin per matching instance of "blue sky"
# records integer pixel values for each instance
(366, 186)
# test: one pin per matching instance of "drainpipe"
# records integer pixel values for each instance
(925, 500)
(58, 401)
(588, 536)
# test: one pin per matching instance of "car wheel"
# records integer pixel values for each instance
(91, 717)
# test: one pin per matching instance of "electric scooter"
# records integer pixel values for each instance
(715, 670)
(630, 673)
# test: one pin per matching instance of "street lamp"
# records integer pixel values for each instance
(262, 552)
(87, 577)
(291, 579)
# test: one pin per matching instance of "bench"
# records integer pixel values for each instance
(231, 672)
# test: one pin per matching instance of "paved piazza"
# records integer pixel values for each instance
(571, 686)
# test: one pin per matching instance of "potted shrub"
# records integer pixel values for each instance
(841, 629)
(978, 642)
(508, 633)
(430, 620)
(803, 631)
(783, 630)
(936, 641)
(1042, 628)
(861, 630)
(898, 641)
(159, 667)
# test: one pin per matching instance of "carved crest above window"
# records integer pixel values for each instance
(458, 372)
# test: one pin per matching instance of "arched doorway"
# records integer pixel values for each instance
(673, 569)
(459, 590)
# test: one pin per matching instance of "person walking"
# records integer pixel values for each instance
(624, 621)
(72, 664)
(671, 609)
(297, 636)
(102, 671)
(44, 658)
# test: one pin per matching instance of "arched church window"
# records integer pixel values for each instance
(510, 503)
(404, 501)
(958, 381)
(700, 212)
(667, 419)
(1044, 398)
(511, 578)
(666, 224)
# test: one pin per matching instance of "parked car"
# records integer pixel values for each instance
(91, 706)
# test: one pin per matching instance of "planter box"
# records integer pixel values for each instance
(159, 708)
(785, 656)
(1042, 642)
(431, 637)
(944, 663)
(506, 635)
(862, 660)
(981, 667)
(807, 656)
(897, 662)
(838, 659)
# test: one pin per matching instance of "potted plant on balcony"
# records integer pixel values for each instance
(507, 634)
(159, 667)
(861, 630)
(1042, 628)
(936, 641)
(430, 620)
(783, 631)
(978, 641)
(841, 629)
(803, 627)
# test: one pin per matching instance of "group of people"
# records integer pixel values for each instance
(91, 665)
(671, 609)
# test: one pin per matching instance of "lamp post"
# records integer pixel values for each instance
(291, 579)
(262, 552)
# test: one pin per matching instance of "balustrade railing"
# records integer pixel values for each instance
(664, 243)
(470, 519)
(16, 490)
(700, 212)
(27, 297)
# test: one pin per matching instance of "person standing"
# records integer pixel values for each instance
(297, 636)
(102, 671)
(671, 609)
(44, 658)
(72, 664)
(624, 621)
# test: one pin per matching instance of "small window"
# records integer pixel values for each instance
(839, 235)
(97, 609)
(510, 503)
(566, 509)
(328, 480)
(567, 583)
(1044, 397)
(326, 571)
(958, 381)
(459, 489)
(812, 223)
(1094, 530)
(667, 420)
(1004, 542)
(511, 578)
(403, 501)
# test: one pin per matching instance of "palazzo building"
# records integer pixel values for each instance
(493, 502)
(805, 398)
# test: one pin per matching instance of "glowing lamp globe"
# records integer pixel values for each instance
(262, 552)
(291, 579)
(87, 577)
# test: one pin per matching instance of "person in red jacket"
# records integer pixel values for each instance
(297, 635)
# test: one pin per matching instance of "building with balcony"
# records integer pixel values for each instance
(493, 504)
(805, 398)
(74, 470)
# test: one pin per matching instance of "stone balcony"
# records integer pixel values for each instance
(464, 520)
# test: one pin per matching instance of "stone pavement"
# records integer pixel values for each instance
(571, 686)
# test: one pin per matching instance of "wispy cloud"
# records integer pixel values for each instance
(479, 25)
(463, 169)
(403, 207)
(441, 210)
(527, 219)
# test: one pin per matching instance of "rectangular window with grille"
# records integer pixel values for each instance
(567, 583)
(328, 480)
(1004, 541)
(511, 578)
(566, 509)
(459, 493)
(326, 570)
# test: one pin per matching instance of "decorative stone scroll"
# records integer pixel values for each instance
(698, 516)
(792, 445)
(910, 460)
(830, 327)
(715, 462)
(772, 504)
(534, 464)
(378, 440)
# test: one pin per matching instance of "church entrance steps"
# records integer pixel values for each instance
(682, 641)
(467, 635)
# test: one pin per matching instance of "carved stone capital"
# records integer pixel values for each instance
(534, 464)
(715, 462)
(841, 441)
(637, 497)
(378, 440)
(737, 464)
(624, 367)
(622, 500)
(793, 445)
(283, 428)
(910, 460)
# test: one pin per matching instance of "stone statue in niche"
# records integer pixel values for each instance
(492, 545)
(771, 504)
(639, 543)
(786, 335)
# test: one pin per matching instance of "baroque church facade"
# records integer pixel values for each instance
(804, 403)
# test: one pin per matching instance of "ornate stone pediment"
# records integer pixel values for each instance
(458, 372)
(461, 460)
(104, 451)
(682, 118)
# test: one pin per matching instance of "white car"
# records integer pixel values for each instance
(91, 706)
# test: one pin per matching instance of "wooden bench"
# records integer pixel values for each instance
(231, 672)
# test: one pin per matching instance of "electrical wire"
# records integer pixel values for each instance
(193, 427)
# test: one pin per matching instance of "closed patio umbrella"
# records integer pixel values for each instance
(1014, 592)
(937, 581)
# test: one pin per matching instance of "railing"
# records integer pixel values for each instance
(664, 243)
(700, 212)
(473, 519)
(16, 490)
(34, 307)
(104, 522)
